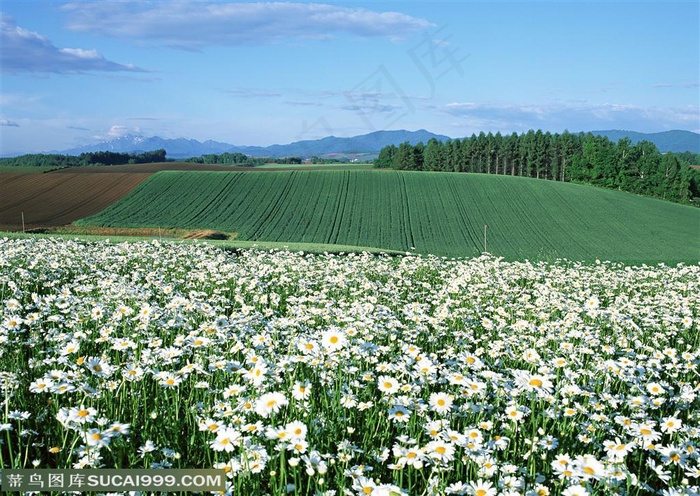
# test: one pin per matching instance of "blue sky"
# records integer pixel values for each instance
(258, 73)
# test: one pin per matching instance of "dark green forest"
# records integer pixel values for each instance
(92, 158)
(580, 158)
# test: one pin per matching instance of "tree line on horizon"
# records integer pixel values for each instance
(581, 158)
(241, 159)
(84, 159)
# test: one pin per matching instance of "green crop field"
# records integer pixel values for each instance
(331, 166)
(438, 213)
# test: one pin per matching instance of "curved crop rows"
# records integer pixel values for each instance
(443, 214)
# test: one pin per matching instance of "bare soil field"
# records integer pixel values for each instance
(55, 199)
(149, 168)
(186, 166)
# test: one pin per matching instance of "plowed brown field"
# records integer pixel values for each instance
(186, 166)
(150, 168)
(58, 199)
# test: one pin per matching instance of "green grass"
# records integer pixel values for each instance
(439, 213)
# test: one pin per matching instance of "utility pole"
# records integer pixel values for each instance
(22, 221)
(485, 227)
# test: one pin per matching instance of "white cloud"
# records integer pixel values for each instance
(27, 51)
(193, 25)
(120, 131)
(8, 123)
(575, 117)
(81, 54)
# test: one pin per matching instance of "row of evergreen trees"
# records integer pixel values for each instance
(585, 158)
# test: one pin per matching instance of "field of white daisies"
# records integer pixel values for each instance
(350, 374)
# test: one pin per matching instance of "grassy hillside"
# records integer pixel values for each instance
(437, 213)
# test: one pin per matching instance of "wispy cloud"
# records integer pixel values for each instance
(27, 51)
(145, 118)
(252, 92)
(299, 103)
(584, 116)
(686, 85)
(373, 107)
(193, 25)
(8, 123)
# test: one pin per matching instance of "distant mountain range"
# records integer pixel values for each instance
(366, 144)
(370, 143)
(666, 141)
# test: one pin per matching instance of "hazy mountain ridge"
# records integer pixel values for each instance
(674, 141)
(184, 148)
(666, 141)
